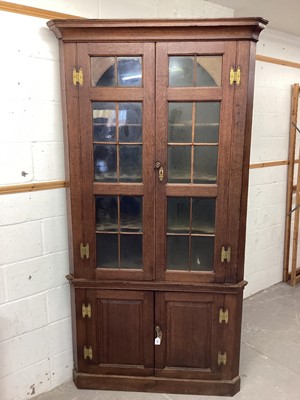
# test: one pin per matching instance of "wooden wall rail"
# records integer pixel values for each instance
(278, 61)
(268, 164)
(32, 187)
(33, 11)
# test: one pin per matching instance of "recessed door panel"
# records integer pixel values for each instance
(190, 335)
(121, 332)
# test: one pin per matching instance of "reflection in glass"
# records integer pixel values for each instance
(131, 213)
(104, 121)
(129, 71)
(207, 122)
(203, 218)
(205, 164)
(116, 71)
(180, 122)
(208, 71)
(178, 214)
(181, 71)
(103, 71)
(106, 213)
(132, 251)
(201, 71)
(130, 122)
(130, 163)
(179, 164)
(178, 252)
(202, 256)
(105, 163)
(107, 250)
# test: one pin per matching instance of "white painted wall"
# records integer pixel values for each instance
(162, 9)
(270, 140)
(35, 328)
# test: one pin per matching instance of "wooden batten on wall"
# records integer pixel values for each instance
(33, 11)
(31, 187)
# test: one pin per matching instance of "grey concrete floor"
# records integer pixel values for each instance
(270, 354)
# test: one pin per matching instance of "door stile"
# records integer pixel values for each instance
(223, 238)
(240, 151)
(73, 170)
(161, 157)
(85, 117)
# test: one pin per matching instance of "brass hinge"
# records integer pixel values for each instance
(235, 76)
(88, 352)
(223, 316)
(86, 311)
(225, 254)
(84, 251)
(77, 76)
(222, 358)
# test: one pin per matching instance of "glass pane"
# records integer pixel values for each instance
(107, 250)
(106, 213)
(180, 122)
(207, 122)
(105, 163)
(178, 214)
(130, 122)
(203, 215)
(202, 257)
(179, 164)
(181, 71)
(131, 213)
(132, 251)
(205, 164)
(178, 252)
(130, 163)
(209, 71)
(103, 71)
(104, 122)
(129, 71)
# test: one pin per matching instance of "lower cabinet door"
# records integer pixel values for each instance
(191, 335)
(146, 333)
(120, 332)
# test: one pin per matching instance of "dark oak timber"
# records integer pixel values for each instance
(148, 316)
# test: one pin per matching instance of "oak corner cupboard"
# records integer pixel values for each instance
(157, 123)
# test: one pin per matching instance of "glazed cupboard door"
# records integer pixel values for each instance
(194, 103)
(117, 144)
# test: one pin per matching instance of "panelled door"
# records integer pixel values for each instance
(119, 332)
(155, 142)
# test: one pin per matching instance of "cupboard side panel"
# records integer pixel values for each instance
(73, 172)
(235, 169)
(232, 334)
(246, 162)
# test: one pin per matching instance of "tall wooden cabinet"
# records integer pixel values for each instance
(157, 121)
